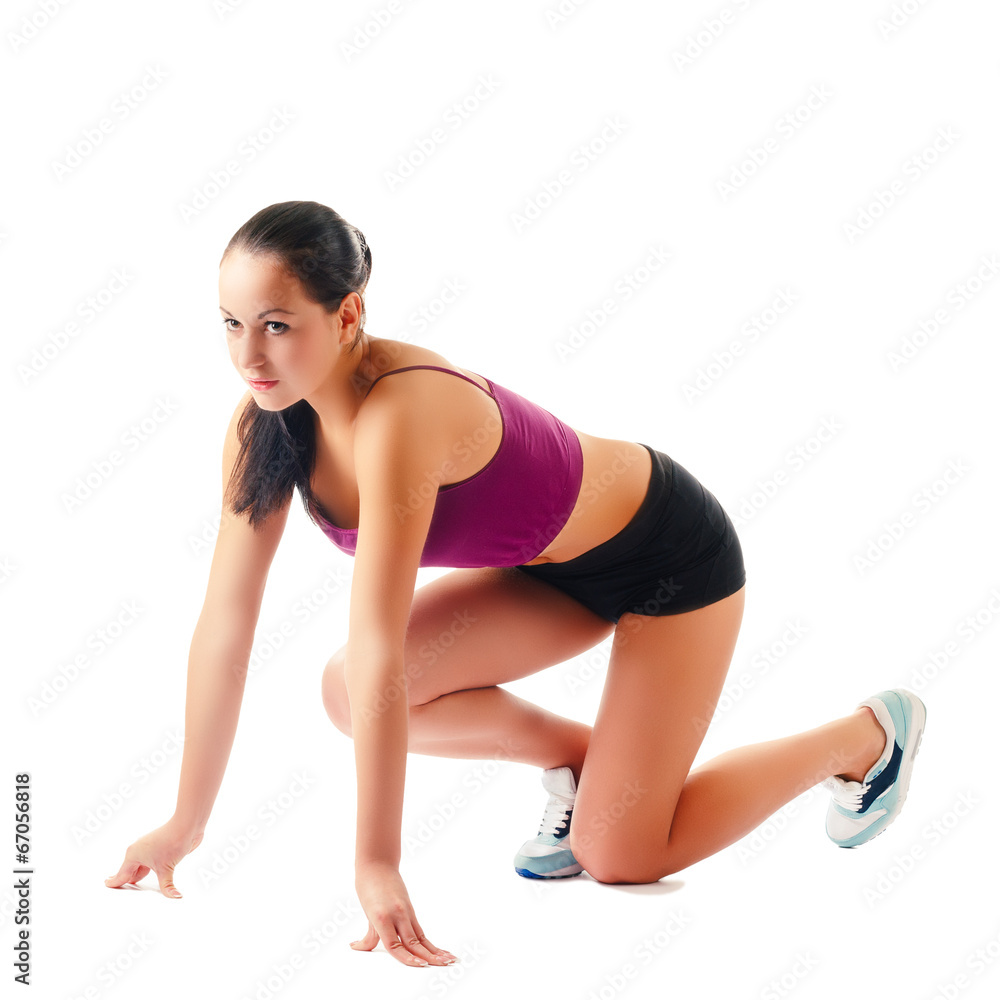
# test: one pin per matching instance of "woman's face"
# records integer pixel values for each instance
(274, 333)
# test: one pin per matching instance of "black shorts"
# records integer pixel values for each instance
(678, 553)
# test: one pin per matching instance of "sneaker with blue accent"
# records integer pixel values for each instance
(548, 855)
(861, 810)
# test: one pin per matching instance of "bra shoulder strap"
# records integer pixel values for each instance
(436, 368)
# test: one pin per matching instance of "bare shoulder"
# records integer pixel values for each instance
(431, 411)
(389, 355)
(403, 412)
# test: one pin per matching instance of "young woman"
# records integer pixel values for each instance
(557, 538)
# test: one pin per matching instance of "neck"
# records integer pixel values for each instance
(339, 398)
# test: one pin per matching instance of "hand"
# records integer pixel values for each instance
(390, 915)
(158, 851)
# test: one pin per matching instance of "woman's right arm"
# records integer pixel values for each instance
(216, 675)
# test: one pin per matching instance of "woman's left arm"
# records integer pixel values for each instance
(394, 455)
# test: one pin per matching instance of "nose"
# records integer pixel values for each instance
(248, 354)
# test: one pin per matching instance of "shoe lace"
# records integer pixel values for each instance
(557, 813)
(847, 793)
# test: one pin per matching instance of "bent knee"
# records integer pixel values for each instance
(338, 704)
(335, 700)
(620, 863)
(618, 871)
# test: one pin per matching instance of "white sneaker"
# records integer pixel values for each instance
(861, 810)
(548, 855)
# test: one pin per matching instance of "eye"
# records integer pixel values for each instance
(271, 322)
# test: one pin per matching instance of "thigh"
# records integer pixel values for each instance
(477, 627)
(659, 696)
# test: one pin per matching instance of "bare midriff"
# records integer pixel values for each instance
(616, 473)
(615, 479)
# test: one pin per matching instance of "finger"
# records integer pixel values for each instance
(166, 878)
(130, 871)
(417, 944)
(392, 938)
(401, 953)
(368, 941)
(430, 947)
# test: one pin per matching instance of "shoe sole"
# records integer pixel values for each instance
(524, 873)
(918, 718)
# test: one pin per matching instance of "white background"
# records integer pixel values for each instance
(784, 913)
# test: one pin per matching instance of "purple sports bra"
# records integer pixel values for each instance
(509, 511)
